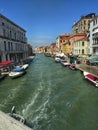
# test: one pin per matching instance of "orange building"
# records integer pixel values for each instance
(53, 47)
(61, 44)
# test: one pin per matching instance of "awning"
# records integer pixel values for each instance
(6, 63)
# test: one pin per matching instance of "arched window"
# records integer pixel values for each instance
(82, 51)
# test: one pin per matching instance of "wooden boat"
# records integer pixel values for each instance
(17, 72)
(91, 77)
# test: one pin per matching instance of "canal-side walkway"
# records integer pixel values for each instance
(88, 68)
(8, 123)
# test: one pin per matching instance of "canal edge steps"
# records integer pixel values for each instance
(9, 123)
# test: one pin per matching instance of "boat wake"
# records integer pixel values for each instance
(34, 110)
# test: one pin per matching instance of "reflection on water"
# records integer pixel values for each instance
(51, 97)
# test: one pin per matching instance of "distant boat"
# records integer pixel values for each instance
(65, 63)
(57, 60)
(17, 72)
(73, 67)
(47, 54)
(92, 78)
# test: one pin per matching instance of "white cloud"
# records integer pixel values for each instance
(41, 41)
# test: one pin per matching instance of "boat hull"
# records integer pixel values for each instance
(92, 78)
(16, 74)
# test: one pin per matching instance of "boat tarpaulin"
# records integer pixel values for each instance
(6, 63)
(18, 69)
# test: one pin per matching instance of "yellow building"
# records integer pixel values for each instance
(63, 40)
(81, 47)
(66, 48)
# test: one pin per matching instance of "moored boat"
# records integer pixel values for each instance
(57, 60)
(25, 66)
(73, 67)
(17, 72)
(2, 77)
(65, 63)
(91, 77)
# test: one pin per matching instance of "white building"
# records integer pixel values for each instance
(13, 41)
(93, 38)
(58, 46)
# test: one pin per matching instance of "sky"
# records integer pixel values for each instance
(45, 20)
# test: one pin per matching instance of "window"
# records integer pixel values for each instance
(60, 40)
(5, 45)
(9, 46)
(10, 34)
(84, 22)
(15, 35)
(3, 24)
(79, 51)
(82, 51)
(82, 43)
(96, 20)
(69, 43)
(4, 33)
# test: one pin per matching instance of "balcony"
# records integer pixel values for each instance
(95, 45)
(95, 36)
(95, 31)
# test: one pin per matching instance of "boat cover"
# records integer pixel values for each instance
(18, 69)
(6, 63)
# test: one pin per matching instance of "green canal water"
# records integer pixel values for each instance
(51, 97)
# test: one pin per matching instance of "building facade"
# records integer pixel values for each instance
(93, 36)
(81, 47)
(82, 26)
(60, 42)
(74, 38)
(53, 48)
(58, 46)
(13, 41)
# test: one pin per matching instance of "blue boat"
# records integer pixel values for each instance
(17, 72)
(18, 69)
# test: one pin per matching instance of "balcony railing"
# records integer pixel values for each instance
(95, 45)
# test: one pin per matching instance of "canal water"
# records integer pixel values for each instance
(51, 97)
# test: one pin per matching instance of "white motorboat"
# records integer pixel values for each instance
(91, 77)
(57, 60)
(25, 66)
(17, 72)
(65, 63)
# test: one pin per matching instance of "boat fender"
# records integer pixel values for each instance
(13, 110)
(96, 83)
